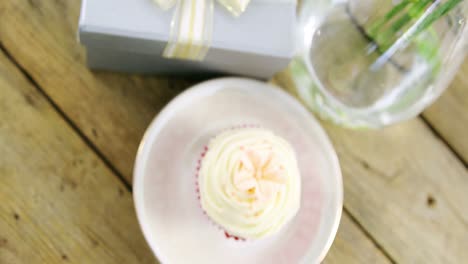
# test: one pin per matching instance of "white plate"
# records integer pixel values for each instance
(165, 175)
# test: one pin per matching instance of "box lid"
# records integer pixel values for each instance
(266, 28)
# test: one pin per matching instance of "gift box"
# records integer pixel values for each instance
(131, 35)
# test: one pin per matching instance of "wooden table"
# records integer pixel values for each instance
(68, 138)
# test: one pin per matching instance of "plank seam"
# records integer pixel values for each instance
(369, 236)
(439, 136)
(68, 120)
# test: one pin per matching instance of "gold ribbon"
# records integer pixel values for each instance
(192, 26)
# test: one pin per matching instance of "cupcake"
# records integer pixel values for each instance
(249, 182)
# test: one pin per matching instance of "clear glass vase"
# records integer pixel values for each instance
(371, 63)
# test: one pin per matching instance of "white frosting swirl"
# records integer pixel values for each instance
(249, 182)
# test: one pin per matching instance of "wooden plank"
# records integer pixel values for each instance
(112, 110)
(348, 239)
(42, 36)
(59, 203)
(449, 114)
(406, 188)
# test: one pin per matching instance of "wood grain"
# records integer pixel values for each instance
(449, 114)
(408, 191)
(41, 35)
(406, 188)
(348, 239)
(59, 203)
(112, 110)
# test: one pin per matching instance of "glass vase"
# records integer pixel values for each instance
(371, 63)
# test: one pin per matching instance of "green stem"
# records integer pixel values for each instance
(392, 25)
(438, 13)
(377, 26)
(389, 36)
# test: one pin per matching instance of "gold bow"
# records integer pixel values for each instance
(192, 26)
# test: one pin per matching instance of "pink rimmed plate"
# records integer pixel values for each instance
(165, 192)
